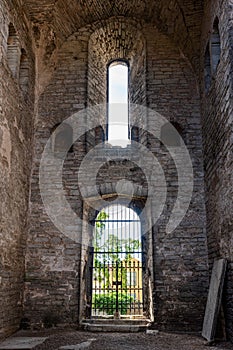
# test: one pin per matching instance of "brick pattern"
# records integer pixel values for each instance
(163, 77)
(53, 261)
(180, 20)
(16, 130)
(180, 264)
(69, 47)
(118, 39)
(217, 135)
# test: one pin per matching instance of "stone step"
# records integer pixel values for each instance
(129, 326)
(133, 322)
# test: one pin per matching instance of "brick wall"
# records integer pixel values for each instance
(180, 259)
(71, 75)
(56, 265)
(217, 135)
(119, 38)
(53, 260)
(16, 130)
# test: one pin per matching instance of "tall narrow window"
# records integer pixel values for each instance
(207, 67)
(212, 55)
(215, 46)
(24, 71)
(13, 51)
(118, 109)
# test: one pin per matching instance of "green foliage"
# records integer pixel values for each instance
(114, 246)
(107, 302)
(113, 243)
(111, 266)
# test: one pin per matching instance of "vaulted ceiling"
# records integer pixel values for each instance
(180, 19)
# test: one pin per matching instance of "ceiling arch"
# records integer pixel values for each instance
(180, 19)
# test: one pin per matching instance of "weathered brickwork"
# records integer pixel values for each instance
(217, 134)
(53, 261)
(61, 51)
(85, 55)
(16, 130)
(120, 39)
(170, 75)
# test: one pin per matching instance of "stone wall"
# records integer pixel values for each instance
(217, 134)
(180, 258)
(55, 264)
(53, 260)
(118, 38)
(16, 131)
(164, 49)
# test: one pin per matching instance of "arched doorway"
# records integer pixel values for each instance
(117, 268)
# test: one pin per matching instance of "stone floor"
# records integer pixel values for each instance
(75, 340)
(23, 343)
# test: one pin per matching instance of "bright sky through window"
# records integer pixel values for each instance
(118, 104)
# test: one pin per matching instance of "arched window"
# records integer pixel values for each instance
(215, 46)
(13, 51)
(171, 134)
(62, 138)
(118, 105)
(24, 71)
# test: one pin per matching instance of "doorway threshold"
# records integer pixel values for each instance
(116, 325)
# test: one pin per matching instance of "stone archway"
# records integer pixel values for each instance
(145, 265)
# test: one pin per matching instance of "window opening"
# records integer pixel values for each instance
(118, 106)
(24, 71)
(13, 51)
(215, 47)
(207, 69)
(117, 263)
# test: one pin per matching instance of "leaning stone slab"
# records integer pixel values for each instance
(22, 343)
(214, 299)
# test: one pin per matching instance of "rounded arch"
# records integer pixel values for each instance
(117, 278)
(116, 61)
(134, 205)
(91, 211)
(117, 40)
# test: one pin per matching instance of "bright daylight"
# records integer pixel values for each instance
(118, 104)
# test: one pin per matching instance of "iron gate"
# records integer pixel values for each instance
(117, 263)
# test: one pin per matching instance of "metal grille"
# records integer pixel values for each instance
(117, 264)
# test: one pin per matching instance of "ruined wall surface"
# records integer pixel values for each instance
(55, 264)
(53, 260)
(16, 127)
(217, 114)
(70, 77)
(180, 258)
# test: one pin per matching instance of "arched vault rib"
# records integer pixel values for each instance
(179, 19)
